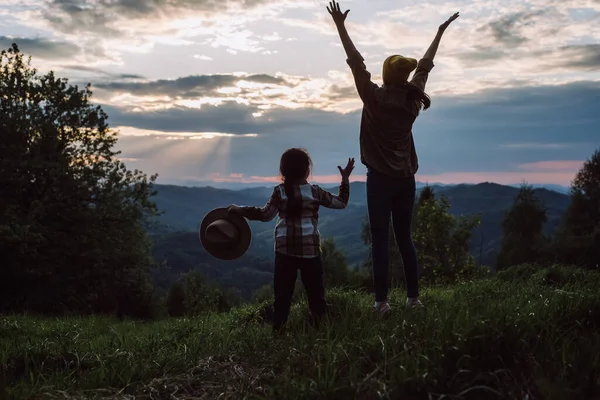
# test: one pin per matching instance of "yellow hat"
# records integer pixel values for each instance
(396, 69)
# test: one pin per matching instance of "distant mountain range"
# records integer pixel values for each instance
(176, 237)
(251, 185)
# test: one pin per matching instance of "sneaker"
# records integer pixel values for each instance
(414, 302)
(382, 307)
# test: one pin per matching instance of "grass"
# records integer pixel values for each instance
(528, 333)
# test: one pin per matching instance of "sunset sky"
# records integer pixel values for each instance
(214, 90)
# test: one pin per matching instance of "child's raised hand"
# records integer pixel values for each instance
(348, 170)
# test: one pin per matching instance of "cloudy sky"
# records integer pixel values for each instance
(215, 90)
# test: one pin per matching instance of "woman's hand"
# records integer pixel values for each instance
(448, 22)
(334, 10)
(234, 210)
(348, 170)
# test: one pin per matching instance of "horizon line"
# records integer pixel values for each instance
(201, 184)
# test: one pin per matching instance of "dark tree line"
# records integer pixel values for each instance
(576, 241)
(71, 214)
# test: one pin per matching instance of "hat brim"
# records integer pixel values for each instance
(240, 223)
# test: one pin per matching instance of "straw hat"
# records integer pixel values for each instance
(225, 236)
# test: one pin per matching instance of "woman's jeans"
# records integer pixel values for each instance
(396, 197)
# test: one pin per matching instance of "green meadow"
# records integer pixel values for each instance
(527, 333)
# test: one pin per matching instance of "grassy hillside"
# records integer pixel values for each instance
(527, 333)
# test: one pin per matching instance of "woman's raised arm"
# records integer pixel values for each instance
(432, 50)
(340, 18)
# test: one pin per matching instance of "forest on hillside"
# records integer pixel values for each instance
(175, 237)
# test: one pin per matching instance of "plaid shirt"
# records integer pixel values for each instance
(386, 140)
(299, 237)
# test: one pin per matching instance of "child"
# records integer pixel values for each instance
(297, 240)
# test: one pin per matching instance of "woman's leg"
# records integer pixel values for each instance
(402, 213)
(284, 280)
(379, 203)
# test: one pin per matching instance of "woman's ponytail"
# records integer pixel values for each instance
(416, 94)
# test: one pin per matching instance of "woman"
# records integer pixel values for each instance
(388, 151)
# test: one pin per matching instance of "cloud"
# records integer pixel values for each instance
(104, 16)
(559, 166)
(100, 71)
(260, 92)
(520, 115)
(132, 131)
(507, 30)
(533, 146)
(41, 47)
(336, 92)
(230, 117)
(580, 57)
(469, 138)
(110, 29)
(190, 86)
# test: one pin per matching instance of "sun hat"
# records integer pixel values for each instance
(223, 235)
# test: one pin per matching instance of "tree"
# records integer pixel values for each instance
(578, 240)
(442, 243)
(71, 214)
(262, 294)
(583, 216)
(337, 273)
(442, 240)
(522, 226)
(201, 296)
(427, 194)
(335, 268)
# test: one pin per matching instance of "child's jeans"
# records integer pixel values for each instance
(286, 271)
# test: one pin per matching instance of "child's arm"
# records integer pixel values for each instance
(329, 200)
(263, 214)
(340, 201)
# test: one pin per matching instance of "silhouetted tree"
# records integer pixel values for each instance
(583, 216)
(427, 194)
(262, 294)
(522, 227)
(578, 240)
(71, 214)
(442, 241)
(201, 296)
(336, 271)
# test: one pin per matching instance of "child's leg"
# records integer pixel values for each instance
(284, 281)
(312, 279)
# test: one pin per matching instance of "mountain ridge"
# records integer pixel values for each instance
(176, 240)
